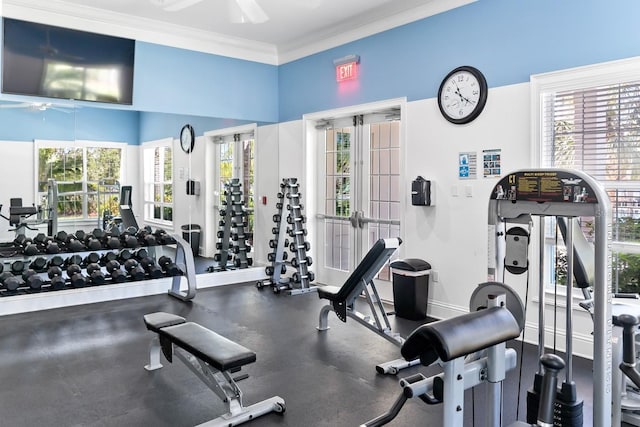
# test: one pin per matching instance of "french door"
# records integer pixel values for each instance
(359, 197)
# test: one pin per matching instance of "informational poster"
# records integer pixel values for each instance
(491, 163)
(467, 165)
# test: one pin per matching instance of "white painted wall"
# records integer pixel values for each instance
(266, 185)
(452, 235)
(18, 179)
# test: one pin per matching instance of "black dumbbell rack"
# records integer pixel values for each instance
(223, 255)
(231, 234)
(89, 264)
(239, 226)
(300, 281)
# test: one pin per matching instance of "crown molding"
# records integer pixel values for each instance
(85, 18)
(345, 33)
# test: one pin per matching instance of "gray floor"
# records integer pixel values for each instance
(83, 366)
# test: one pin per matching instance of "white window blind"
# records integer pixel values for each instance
(597, 130)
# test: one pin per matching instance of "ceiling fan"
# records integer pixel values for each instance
(240, 11)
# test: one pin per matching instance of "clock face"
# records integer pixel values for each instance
(187, 138)
(462, 95)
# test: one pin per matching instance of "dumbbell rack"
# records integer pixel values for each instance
(92, 268)
(233, 225)
(300, 281)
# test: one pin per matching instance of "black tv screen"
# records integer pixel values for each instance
(43, 60)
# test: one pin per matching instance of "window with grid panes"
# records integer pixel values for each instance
(158, 183)
(596, 128)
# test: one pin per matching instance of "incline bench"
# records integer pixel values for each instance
(342, 300)
(213, 358)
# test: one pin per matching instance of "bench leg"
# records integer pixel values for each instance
(154, 354)
(225, 387)
(323, 321)
(394, 366)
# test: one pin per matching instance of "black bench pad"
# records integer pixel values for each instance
(461, 335)
(160, 319)
(216, 350)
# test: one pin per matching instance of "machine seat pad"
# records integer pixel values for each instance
(160, 319)
(461, 335)
(216, 350)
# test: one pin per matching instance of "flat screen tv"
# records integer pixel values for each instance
(54, 62)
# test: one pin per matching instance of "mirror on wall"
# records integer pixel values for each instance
(90, 153)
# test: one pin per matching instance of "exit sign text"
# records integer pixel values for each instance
(347, 71)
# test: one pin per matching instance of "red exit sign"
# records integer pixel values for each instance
(346, 71)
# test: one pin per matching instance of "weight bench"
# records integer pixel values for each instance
(213, 358)
(342, 300)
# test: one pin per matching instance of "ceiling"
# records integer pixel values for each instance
(295, 28)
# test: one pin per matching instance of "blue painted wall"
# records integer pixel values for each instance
(508, 40)
(155, 126)
(171, 80)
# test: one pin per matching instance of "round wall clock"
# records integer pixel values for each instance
(187, 138)
(462, 95)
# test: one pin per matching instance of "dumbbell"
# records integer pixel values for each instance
(73, 259)
(17, 267)
(136, 272)
(80, 235)
(55, 261)
(140, 254)
(149, 265)
(51, 247)
(4, 276)
(145, 237)
(39, 264)
(296, 263)
(92, 258)
(95, 274)
(116, 273)
(30, 249)
(168, 266)
(75, 245)
(293, 233)
(297, 277)
(237, 249)
(32, 279)
(298, 206)
(76, 278)
(92, 243)
(128, 240)
(55, 278)
(124, 255)
(13, 283)
(108, 256)
(218, 257)
(293, 247)
(112, 241)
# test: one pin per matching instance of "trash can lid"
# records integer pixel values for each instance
(411, 264)
(191, 227)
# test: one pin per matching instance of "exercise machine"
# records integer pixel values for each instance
(471, 348)
(625, 395)
(23, 218)
(543, 193)
(342, 301)
(212, 358)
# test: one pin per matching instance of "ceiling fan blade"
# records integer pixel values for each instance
(174, 5)
(252, 11)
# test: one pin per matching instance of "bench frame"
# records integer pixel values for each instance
(378, 321)
(220, 382)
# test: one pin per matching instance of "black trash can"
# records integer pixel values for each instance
(410, 288)
(191, 233)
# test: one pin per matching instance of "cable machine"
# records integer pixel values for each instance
(560, 193)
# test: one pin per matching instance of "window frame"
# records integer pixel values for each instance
(84, 145)
(601, 74)
(153, 145)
